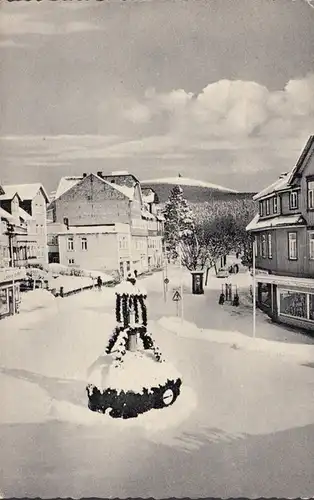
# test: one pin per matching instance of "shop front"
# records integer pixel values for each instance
(10, 297)
(288, 300)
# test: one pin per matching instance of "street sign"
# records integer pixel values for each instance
(176, 296)
(166, 281)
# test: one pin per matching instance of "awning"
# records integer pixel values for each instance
(285, 281)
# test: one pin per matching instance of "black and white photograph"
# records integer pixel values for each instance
(156, 248)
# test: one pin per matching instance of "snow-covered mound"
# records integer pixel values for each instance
(299, 353)
(139, 370)
(185, 181)
(36, 299)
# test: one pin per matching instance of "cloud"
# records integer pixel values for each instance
(22, 23)
(228, 128)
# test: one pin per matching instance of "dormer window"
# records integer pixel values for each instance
(293, 200)
(310, 195)
(267, 203)
(261, 209)
(275, 204)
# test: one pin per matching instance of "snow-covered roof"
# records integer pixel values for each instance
(147, 214)
(279, 185)
(185, 181)
(288, 220)
(25, 191)
(6, 215)
(9, 194)
(67, 183)
(24, 215)
(88, 229)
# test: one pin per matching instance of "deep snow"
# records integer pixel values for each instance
(234, 388)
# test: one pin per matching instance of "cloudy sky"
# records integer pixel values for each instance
(218, 90)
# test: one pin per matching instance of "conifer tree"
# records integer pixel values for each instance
(179, 221)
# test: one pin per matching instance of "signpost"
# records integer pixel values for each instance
(177, 298)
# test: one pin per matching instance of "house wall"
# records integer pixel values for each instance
(285, 203)
(37, 227)
(280, 263)
(308, 172)
(102, 252)
(92, 202)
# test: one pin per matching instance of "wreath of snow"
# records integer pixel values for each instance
(139, 371)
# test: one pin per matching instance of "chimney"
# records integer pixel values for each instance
(99, 174)
(84, 174)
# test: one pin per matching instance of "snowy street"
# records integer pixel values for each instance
(243, 425)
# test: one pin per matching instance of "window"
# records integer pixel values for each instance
(293, 304)
(267, 203)
(84, 243)
(292, 246)
(264, 245)
(311, 246)
(261, 209)
(270, 250)
(310, 195)
(293, 199)
(275, 204)
(70, 243)
(71, 261)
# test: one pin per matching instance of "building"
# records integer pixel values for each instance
(25, 207)
(284, 244)
(107, 214)
(10, 298)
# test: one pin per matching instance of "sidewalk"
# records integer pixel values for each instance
(205, 312)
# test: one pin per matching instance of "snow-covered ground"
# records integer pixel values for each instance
(245, 402)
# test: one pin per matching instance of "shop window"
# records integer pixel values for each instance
(311, 307)
(293, 304)
(4, 302)
(265, 294)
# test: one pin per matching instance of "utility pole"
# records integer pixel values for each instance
(254, 289)
(181, 282)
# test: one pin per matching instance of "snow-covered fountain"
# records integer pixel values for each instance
(138, 378)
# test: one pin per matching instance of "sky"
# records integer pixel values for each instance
(216, 90)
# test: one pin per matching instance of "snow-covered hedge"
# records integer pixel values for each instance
(83, 273)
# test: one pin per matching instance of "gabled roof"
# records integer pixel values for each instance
(67, 183)
(1, 190)
(5, 215)
(25, 191)
(287, 180)
(9, 194)
(301, 161)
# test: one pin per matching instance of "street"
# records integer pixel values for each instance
(243, 426)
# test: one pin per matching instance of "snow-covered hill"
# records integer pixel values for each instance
(195, 191)
(185, 181)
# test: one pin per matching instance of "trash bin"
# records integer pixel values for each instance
(197, 282)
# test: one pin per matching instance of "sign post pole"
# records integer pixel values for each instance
(254, 290)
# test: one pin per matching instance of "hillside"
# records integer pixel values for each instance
(195, 191)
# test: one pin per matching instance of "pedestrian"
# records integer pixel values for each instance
(135, 273)
(99, 282)
(221, 298)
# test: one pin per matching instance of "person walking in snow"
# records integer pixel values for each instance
(99, 282)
